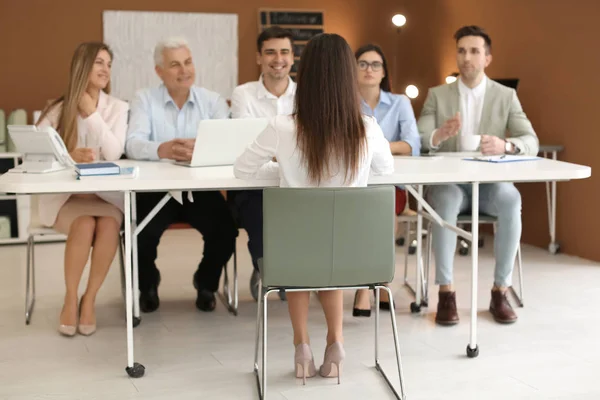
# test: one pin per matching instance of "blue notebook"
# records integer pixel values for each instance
(105, 168)
(125, 173)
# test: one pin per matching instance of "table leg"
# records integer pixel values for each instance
(136, 284)
(416, 306)
(472, 348)
(134, 370)
(554, 247)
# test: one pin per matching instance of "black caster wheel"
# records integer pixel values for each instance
(412, 250)
(400, 242)
(481, 242)
(472, 353)
(425, 303)
(137, 371)
(463, 251)
(136, 321)
(414, 308)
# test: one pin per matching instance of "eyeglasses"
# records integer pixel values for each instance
(375, 65)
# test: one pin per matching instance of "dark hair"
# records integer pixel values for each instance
(473, 30)
(386, 82)
(273, 32)
(330, 131)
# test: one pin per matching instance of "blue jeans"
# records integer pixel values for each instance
(501, 200)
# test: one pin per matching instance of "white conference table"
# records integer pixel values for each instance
(412, 172)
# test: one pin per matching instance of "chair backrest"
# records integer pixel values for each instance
(2, 131)
(17, 117)
(318, 237)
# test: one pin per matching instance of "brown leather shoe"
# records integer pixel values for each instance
(446, 311)
(501, 308)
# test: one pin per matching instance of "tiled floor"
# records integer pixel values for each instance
(552, 352)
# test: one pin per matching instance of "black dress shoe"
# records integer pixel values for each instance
(254, 284)
(206, 300)
(359, 312)
(149, 300)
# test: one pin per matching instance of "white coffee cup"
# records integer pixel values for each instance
(470, 142)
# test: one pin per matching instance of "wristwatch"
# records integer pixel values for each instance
(510, 148)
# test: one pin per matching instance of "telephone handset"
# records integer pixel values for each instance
(60, 150)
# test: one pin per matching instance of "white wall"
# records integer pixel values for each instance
(132, 36)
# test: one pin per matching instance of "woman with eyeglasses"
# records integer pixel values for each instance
(395, 115)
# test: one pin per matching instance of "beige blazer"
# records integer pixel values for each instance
(502, 113)
(108, 125)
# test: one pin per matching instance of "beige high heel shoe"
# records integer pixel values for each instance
(85, 330)
(67, 330)
(304, 362)
(332, 362)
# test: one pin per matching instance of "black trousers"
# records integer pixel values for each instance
(208, 214)
(247, 209)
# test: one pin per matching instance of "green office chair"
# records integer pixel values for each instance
(327, 239)
(17, 117)
(2, 131)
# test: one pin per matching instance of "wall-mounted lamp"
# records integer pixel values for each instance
(452, 78)
(399, 20)
(412, 91)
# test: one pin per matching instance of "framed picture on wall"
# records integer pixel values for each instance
(304, 25)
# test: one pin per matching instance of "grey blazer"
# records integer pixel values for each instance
(501, 112)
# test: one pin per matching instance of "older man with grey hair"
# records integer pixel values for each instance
(163, 124)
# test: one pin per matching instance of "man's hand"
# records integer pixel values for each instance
(447, 130)
(177, 149)
(492, 145)
(83, 155)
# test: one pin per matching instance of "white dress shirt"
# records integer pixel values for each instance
(471, 107)
(253, 100)
(279, 140)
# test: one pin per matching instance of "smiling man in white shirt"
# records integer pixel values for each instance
(272, 95)
(476, 107)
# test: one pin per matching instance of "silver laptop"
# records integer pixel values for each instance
(221, 141)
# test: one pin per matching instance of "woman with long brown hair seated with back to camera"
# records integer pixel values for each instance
(327, 142)
(93, 125)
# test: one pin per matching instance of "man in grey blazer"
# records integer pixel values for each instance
(475, 109)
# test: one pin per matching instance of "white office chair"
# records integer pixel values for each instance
(36, 230)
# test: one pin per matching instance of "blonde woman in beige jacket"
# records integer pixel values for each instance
(93, 125)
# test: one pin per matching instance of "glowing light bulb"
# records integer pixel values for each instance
(399, 20)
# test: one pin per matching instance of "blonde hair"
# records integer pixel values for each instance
(81, 67)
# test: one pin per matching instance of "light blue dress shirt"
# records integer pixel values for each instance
(155, 118)
(396, 117)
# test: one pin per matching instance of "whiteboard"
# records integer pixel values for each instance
(132, 36)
